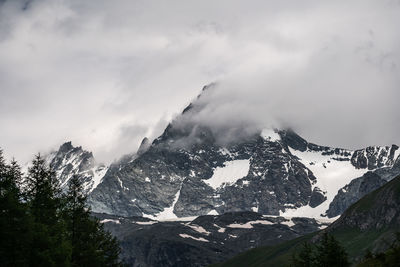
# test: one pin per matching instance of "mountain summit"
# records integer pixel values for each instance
(189, 171)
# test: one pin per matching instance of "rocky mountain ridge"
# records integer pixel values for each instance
(69, 160)
(187, 172)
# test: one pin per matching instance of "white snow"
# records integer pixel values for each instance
(249, 225)
(224, 151)
(98, 177)
(167, 213)
(229, 173)
(221, 229)
(199, 229)
(213, 212)
(110, 220)
(146, 223)
(270, 135)
(195, 238)
(289, 223)
(331, 176)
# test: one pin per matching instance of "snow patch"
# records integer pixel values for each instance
(146, 223)
(198, 229)
(229, 173)
(331, 176)
(221, 230)
(98, 177)
(289, 223)
(110, 221)
(192, 237)
(167, 213)
(249, 225)
(213, 212)
(270, 135)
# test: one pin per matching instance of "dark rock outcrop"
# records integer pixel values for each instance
(359, 187)
(379, 209)
(354, 191)
(317, 197)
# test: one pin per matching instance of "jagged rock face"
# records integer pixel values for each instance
(361, 186)
(70, 160)
(202, 241)
(374, 157)
(377, 210)
(188, 172)
(354, 191)
(165, 175)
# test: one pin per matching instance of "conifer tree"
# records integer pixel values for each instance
(42, 227)
(50, 243)
(329, 253)
(305, 258)
(15, 223)
(91, 244)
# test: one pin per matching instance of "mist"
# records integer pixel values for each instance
(104, 74)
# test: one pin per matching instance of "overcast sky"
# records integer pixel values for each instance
(104, 74)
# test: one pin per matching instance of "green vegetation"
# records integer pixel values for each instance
(390, 258)
(41, 226)
(328, 252)
(279, 255)
(353, 241)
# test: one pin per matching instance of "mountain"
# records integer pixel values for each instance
(361, 186)
(188, 171)
(69, 160)
(263, 188)
(203, 240)
(369, 224)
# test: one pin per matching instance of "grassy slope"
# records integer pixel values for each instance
(354, 240)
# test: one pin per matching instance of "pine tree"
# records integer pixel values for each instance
(91, 244)
(15, 223)
(305, 258)
(41, 227)
(50, 244)
(330, 254)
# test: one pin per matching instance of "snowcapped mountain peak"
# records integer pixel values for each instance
(187, 171)
(270, 134)
(69, 160)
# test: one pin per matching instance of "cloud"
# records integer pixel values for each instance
(92, 71)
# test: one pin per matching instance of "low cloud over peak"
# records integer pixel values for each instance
(105, 74)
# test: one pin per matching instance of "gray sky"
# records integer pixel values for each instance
(104, 74)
